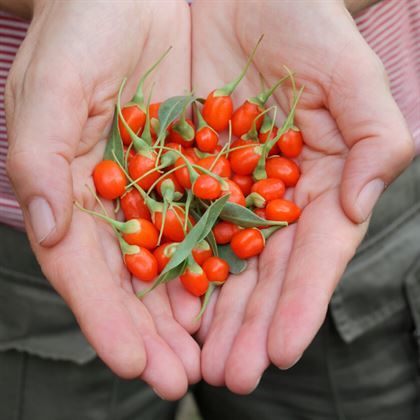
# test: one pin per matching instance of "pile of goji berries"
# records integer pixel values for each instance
(194, 208)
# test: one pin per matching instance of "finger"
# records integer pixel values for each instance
(78, 271)
(229, 312)
(374, 130)
(173, 343)
(319, 256)
(183, 345)
(115, 322)
(185, 306)
(250, 346)
(44, 128)
(164, 371)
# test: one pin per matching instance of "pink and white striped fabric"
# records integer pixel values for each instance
(12, 32)
(392, 29)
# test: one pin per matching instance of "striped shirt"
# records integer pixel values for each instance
(391, 28)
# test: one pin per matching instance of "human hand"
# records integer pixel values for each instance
(356, 143)
(60, 100)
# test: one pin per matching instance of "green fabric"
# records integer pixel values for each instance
(375, 377)
(374, 286)
(34, 388)
(33, 317)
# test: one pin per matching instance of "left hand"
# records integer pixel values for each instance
(356, 143)
(59, 101)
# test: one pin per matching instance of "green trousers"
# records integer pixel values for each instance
(362, 365)
(374, 378)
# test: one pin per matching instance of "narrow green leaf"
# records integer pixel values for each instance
(174, 272)
(197, 233)
(170, 275)
(206, 300)
(184, 249)
(244, 217)
(210, 237)
(114, 146)
(171, 109)
(236, 265)
(213, 244)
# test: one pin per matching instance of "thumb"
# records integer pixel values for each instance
(373, 128)
(44, 119)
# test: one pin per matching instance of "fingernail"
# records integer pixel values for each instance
(291, 364)
(42, 218)
(368, 197)
(157, 393)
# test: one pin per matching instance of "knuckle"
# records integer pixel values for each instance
(406, 150)
(17, 162)
(346, 77)
(401, 149)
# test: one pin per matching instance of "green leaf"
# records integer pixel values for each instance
(244, 217)
(236, 265)
(114, 146)
(206, 300)
(197, 233)
(210, 237)
(174, 272)
(171, 109)
(170, 275)
(213, 244)
(184, 249)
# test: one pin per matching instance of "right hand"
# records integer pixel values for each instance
(354, 134)
(60, 100)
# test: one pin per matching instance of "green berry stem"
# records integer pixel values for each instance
(206, 300)
(138, 97)
(263, 97)
(228, 89)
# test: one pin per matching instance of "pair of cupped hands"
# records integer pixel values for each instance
(60, 100)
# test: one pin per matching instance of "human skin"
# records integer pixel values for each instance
(60, 100)
(356, 143)
(137, 339)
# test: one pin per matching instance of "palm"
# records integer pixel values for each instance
(134, 338)
(301, 265)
